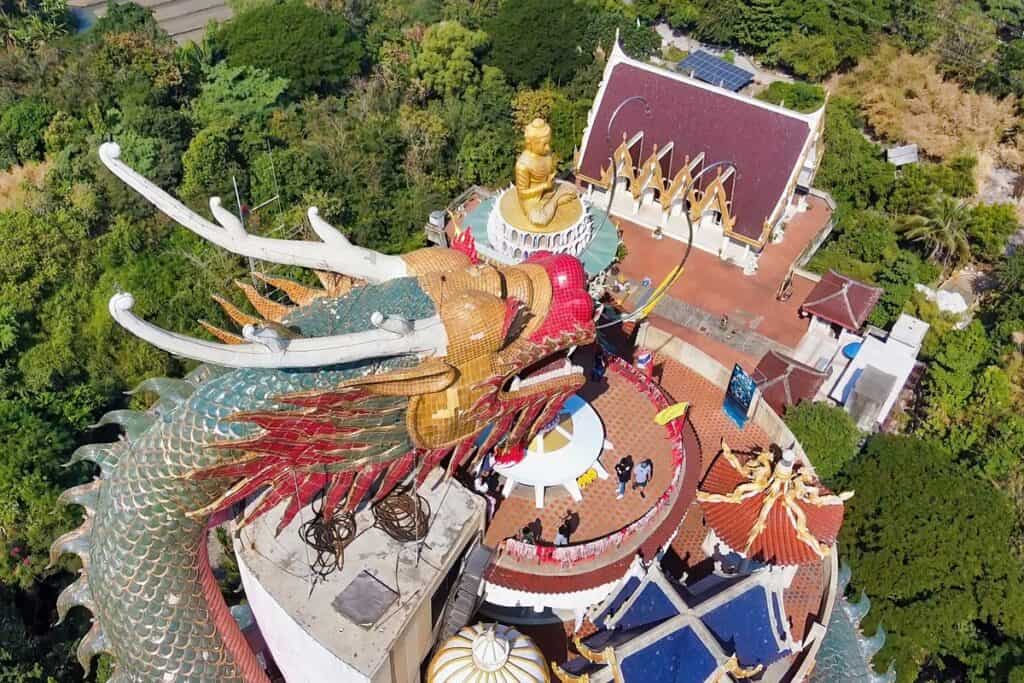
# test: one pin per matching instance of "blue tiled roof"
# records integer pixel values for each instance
(651, 606)
(744, 626)
(620, 597)
(679, 657)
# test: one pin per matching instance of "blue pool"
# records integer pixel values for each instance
(851, 349)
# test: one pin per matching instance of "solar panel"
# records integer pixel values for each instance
(711, 69)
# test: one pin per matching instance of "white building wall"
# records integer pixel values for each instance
(297, 654)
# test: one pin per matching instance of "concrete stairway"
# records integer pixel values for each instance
(465, 597)
(184, 20)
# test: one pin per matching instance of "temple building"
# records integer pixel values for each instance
(438, 466)
(659, 143)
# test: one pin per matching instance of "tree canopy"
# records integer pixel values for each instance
(537, 39)
(930, 543)
(318, 54)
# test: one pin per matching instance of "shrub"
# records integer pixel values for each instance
(799, 96)
(22, 126)
(828, 435)
(316, 51)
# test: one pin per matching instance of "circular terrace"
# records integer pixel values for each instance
(611, 532)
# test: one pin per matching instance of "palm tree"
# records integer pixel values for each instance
(943, 229)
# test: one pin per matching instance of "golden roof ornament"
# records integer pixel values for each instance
(488, 652)
(773, 510)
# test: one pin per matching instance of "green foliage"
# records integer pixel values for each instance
(210, 161)
(127, 17)
(918, 185)
(799, 96)
(228, 577)
(673, 54)
(245, 93)
(22, 125)
(943, 230)
(483, 159)
(828, 435)
(448, 62)
(1005, 76)
(537, 39)
(897, 278)
(319, 54)
(30, 474)
(990, 227)
(959, 405)
(852, 169)
(33, 23)
(929, 543)
(32, 650)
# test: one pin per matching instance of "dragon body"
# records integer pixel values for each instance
(346, 394)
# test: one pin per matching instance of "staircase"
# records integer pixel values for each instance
(465, 597)
(184, 20)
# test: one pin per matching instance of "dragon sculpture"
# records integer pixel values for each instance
(400, 364)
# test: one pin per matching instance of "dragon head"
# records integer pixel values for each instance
(487, 370)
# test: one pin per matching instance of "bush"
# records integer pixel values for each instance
(798, 96)
(989, 229)
(828, 435)
(22, 126)
(210, 162)
(316, 51)
(243, 92)
(852, 168)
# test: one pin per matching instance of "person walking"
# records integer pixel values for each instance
(624, 471)
(642, 475)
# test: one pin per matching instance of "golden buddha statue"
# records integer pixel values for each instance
(539, 196)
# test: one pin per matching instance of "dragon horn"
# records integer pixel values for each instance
(335, 253)
(393, 336)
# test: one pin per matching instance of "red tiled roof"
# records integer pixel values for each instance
(842, 300)
(764, 144)
(778, 542)
(785, 382)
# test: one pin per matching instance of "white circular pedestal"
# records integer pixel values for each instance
(517, 243)
(561, 466)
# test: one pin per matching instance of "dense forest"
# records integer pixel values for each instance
(380, 111)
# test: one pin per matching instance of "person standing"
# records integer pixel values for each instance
(570, 522)
(597, 371)
(642, 475)
(624, 471)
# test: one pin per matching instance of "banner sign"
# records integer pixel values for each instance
(740, 396)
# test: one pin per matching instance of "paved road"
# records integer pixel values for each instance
(184, 20)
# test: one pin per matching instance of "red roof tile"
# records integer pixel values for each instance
(785, 382)
(763, 143)
(778, 542)
(842, 300)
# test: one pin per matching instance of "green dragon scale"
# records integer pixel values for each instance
(332, 398)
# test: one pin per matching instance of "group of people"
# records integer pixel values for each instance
(531, 533)
(640, 475)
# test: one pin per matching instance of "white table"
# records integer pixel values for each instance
(561, 466)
